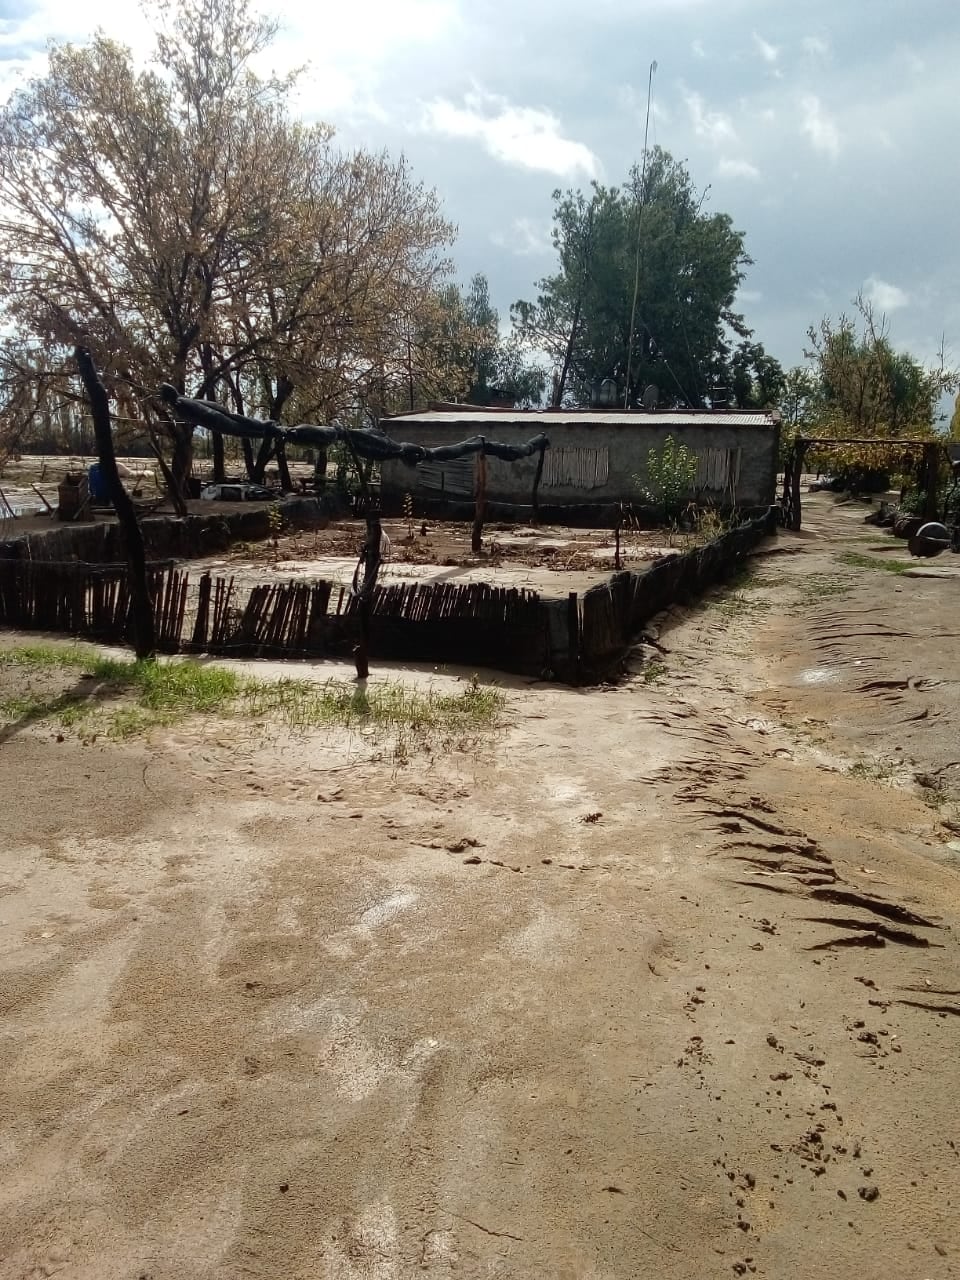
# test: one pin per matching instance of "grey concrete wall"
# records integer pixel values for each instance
(628, 449)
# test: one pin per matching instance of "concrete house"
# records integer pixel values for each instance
(596, 458)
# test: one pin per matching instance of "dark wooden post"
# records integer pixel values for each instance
(535, 499)
(248, 461)
(573, 635)
(286, 484)
(799, 453)
(141, 616)
(219, 461)
(476, 542)
(369, 566)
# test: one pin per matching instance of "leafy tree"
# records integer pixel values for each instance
(864, 389)
(493, 362)
(689, 264)
(797, 397)
(758, 379)
(955, 421)
(455, 351)
(178, 224)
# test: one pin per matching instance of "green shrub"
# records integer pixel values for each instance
(671, 475)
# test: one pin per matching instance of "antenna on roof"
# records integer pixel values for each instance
(651, 396)
(636, 274)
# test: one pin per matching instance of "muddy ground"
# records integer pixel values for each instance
(549, 559)
(663, 980)
(546, 558)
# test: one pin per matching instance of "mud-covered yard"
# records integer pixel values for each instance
(660, 979)
(542, 558)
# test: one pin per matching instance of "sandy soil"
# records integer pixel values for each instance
(663, 981)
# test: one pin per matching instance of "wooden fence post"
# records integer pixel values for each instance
(535, 496)
(798, 455)
(141, 605)
(574, 634)
(476, 542)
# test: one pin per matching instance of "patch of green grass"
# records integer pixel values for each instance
(25, 706)
(171, 686)
(735, 598)
(815, 587)
(45, 657)
(653, 672)
(129, 697)
(857, 561)
(304, 704)
(738, 604)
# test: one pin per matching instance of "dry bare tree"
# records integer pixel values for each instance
(178, 224)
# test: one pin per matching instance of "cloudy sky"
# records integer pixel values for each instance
(826, 129)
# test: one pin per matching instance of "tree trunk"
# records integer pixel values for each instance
(141, 611)
(181, 464)
(176, 497)
(219, 461)
(248, 460)
(567, 358)
(320, 471)
(264, 454)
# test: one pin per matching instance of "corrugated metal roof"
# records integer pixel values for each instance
(580, 418)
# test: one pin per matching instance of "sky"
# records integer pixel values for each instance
(826, 129)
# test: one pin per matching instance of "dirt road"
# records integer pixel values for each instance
(663, 982)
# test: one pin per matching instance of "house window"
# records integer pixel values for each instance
(570, 468)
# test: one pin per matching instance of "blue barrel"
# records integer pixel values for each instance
(99, 491)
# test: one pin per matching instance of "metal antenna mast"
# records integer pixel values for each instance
(636, 274)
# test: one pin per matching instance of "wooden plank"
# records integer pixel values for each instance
(198, 640)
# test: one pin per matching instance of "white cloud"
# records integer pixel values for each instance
(749, 295)
(727, 168)
(712, 125)
(768, 52)
(344, 48)
(815, 46)
(528, 137)
(526, 238)
(819, 128)
(885, 297)
(698, 50)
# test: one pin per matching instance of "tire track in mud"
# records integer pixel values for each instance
(782, 859)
